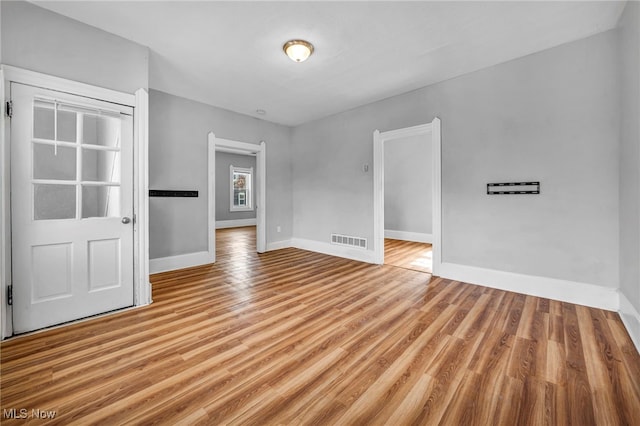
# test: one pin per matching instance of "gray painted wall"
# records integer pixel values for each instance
(552, 116)
(630, 154)
(408, 184)
(40, 40)
(223, 185)
(1, 26)
(178, 131)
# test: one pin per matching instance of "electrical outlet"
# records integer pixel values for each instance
(278, 228)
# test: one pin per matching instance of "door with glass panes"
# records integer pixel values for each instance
(71, 207)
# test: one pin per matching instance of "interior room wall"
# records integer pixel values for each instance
(0, 33)
(223, 185)
(552, 117)
(178, 130)
(408, 185)
(629, 33)
(39, 40)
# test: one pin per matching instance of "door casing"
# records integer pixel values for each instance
(260, 151)
(379, 139)
(140, 102)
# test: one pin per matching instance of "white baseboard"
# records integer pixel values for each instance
(550, 288)
(235, 223)
(631, 319)
(181, 261)
(361, 255)
(277, 245)
(417, 237)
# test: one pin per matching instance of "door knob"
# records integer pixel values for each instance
(126, 220)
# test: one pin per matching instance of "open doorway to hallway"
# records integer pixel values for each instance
(408, 201)
(236, 189)
(235, 182)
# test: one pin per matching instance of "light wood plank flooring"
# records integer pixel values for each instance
(293, 337)
(408, 255)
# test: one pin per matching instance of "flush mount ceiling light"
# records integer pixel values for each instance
(298, 50)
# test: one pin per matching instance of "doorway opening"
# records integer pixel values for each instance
(237, 186)
(407, 203)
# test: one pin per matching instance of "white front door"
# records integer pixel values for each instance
(71, 207)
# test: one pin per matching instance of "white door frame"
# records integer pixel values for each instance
(140, 102)
(243, 148)
(379, 139)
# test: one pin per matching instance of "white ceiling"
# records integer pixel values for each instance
(229, 54)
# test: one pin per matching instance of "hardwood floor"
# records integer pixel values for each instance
(408, 255)
(294, 337)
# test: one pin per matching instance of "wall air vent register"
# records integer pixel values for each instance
(346, 240)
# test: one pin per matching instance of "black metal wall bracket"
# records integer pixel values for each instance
(171, 193)
(513, 188)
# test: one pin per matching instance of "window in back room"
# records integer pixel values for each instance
(241, 189)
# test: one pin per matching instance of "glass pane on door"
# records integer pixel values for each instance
(100, 166)
(50, 162)
(54, 201)
(43, 122)
(67, 126)
(100, 201)
(45, 126)
(101, 130)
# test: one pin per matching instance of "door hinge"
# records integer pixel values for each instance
(10, 295)
(9, 109)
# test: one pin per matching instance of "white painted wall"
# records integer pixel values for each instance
(37, 39)
(552, 116)
(629, 33)
(408, 185)
(178, 130)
